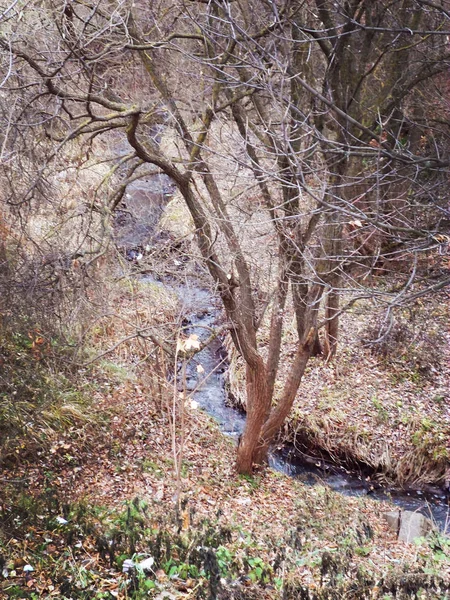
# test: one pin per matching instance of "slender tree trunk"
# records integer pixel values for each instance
(276, 327)
(279, 413)
(332, 324)
(299, 298)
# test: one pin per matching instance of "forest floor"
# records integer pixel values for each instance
(105, 492)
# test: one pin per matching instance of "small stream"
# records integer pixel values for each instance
(212, 397)
(135, 227)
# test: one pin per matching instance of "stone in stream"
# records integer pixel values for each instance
(409, 525)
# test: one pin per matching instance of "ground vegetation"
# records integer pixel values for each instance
(316, 108)
(291, 159)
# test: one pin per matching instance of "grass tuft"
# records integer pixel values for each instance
(40, 394)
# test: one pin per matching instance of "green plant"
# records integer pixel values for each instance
(182, 569)
(149, 466)
(144, 583)
(363, 550)
(440, 545)
(383, 415)
(259, 571)
(432, 439)
(130, 525)
(253, 480)
(224, 559)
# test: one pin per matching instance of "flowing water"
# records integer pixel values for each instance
(145, 203)
(212, 397)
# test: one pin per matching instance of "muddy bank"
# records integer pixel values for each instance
(316, 440)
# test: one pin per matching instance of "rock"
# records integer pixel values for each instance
(408, 525)
(393, 520)
(413, 525)
(191, 384)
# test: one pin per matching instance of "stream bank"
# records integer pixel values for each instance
(200, 311)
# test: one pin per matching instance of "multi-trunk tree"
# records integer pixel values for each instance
(326, 120)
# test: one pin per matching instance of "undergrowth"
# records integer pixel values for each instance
(413, 342)
(78, 551)
(40, 392)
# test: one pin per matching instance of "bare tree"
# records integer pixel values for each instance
(314, 111)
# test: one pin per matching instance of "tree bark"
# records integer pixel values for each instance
(258, 406)
(280, 412)
(332, 323)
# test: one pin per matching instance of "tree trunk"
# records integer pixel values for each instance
(258, 406)
(280, 412)
(299, 298)
(332, 324)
